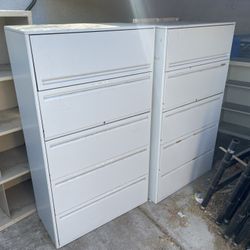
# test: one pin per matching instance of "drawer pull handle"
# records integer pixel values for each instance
(93, 87)
(192, 70)
(179, 141)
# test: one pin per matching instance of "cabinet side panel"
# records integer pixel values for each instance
(158, 84)
(24, 79)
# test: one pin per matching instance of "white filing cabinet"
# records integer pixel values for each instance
(191, 64)
(85, 93)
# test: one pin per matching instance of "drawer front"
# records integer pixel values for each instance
(176, 155)
(94, 184)
(195, 84)
(76, 58)
(75, 154)
(92, 216)
(69, 110)
(194, 45)
(190, 118)
(172, 182)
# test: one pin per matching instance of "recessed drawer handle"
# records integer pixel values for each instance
(194, 70)
(105, 74)
(93, 87)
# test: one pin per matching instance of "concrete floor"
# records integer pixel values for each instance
(175, 223)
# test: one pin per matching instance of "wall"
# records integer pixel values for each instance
(213, 11)
(201, 10)
(63, 11)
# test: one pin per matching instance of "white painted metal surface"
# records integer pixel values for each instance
(189, 118)
(86, 106)
(198, 45)
(189, 148)
(93, 214)
(180, 177)
(25, 85)
(93, 148)
(194, 84)
(88, 141)
(106, 55)
(191, 64)
(106, 178)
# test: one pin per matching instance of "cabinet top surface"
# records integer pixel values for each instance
(75, 27)
(91, 27)
(183, 24)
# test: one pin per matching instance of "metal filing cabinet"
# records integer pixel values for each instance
(84, 92)
(191, 64)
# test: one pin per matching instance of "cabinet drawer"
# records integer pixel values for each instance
(184, 121)
(93, 215)
(175, 155)
(195, 84)
(76, 58)
(75, 154)
(172, 182)
(76, 191)
(197, 44)
(72, 109)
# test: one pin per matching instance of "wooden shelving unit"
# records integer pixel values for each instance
(235, 117)
(5, 73)
(14, 164)
(16, 192)
(235, 130)
(21, 204)
(9, 121)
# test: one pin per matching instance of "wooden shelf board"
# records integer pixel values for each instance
(5, 73)
(21, 202)
(236, 108)
(243, 62)
(14, 13)
(14, 164)
(234, 130)
(10, 121)
(239, 84)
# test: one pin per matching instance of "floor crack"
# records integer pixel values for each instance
(163, 230)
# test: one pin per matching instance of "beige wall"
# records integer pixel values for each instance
(63, 11)
(213, 11)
